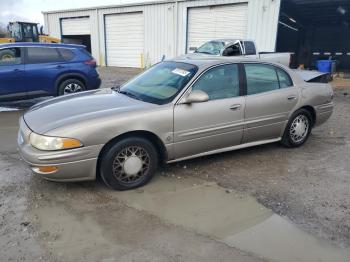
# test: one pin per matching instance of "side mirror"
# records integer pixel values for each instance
(196, 96)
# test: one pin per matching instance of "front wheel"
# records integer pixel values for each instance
(129, 163)
(70, 86)
(298, 129)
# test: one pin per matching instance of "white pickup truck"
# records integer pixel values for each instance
(238, 47)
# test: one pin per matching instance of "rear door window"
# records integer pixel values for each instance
(10, 56)
(39, 55)
(249, 48)
(284, 78)
(66, 54)
(261, 78)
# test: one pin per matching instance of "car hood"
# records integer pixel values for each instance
(72, 109)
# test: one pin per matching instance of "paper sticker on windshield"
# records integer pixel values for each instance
(180, 72)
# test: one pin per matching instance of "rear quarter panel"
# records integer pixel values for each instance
(320, 97)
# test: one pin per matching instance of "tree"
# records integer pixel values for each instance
(3, 31)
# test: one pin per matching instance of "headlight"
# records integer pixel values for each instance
(50, 143)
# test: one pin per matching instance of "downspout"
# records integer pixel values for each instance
(100, 58)
(176, 21)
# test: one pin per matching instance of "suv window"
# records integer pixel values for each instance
(284, 78)
(219, 82)
(38, 55)
(261, 78)
(67, 54)
(249, 48)
(10, 56)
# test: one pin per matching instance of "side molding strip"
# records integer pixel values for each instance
(257, 143)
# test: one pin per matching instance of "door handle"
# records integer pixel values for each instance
(291, 98)
(17, 70)
(235, 107)
(59, 66)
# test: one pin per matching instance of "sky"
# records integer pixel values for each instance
(30, 10)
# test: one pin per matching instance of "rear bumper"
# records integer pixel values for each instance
(94, 83)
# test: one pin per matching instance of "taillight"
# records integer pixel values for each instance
(91, 62)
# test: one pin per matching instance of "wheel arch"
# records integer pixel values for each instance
(311, 110)
(153, 138)
(67, 76)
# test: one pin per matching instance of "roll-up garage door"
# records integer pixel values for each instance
(76, 26)
(214, 22)
(124, 39)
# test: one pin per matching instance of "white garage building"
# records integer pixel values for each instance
(135, 35)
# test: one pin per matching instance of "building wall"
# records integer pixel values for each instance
(53, 26)
(165, 25)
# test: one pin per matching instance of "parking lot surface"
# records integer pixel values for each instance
(266, 203)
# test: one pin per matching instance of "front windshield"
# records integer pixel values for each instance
(211, 48)
(161, 83)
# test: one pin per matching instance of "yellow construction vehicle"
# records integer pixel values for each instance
(26, 32)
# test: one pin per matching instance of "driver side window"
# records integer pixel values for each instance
(219, 82)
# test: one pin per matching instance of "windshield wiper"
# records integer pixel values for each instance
(129, 94)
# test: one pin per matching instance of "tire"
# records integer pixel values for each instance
(6, 55)
(295, 136)
(73, 85)
(128, 164)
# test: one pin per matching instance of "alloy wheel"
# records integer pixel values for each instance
(72, 88)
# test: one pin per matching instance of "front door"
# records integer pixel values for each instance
(11, 73)
(271, 96)
(215, 124)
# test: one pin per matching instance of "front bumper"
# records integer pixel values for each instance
(72, 165)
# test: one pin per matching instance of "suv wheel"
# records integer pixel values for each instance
(298, 129)
(70, 86)
(128, 164)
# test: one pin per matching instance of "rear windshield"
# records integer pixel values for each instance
(161, 83)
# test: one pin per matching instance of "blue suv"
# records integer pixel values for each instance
(30, 70)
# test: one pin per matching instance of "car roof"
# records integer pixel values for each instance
(26, 44)
(199, 60)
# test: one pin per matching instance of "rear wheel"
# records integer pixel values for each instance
(128, 164)
(70, 86)
(298, 129)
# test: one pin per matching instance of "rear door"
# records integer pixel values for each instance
(215, 124)
(12, 81)
(270, 98)
(43, 65)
